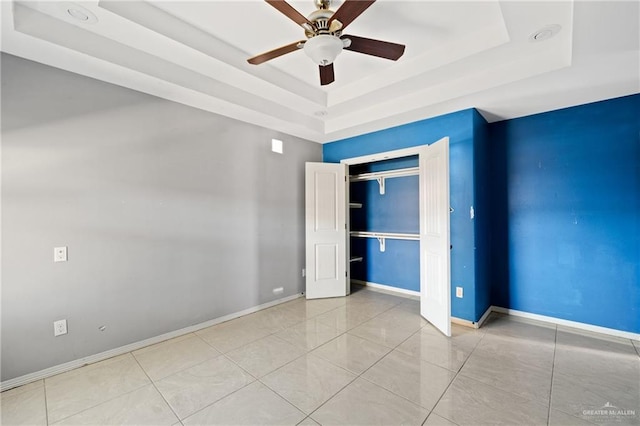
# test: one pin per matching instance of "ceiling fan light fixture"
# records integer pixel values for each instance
(323, 49)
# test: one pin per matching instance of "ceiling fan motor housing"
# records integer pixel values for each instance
(323, 45)
(320, 19)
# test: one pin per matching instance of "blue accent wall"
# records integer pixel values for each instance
(399, 265)
(565, 196)
(556, 198)
(397, 210)
(483, 252)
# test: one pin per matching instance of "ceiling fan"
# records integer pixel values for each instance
(323, 29)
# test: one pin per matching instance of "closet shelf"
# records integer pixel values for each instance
(355, 205)
(383, 236)
(381, 176)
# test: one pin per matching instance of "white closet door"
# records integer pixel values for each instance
(326, 230)
(435, 268)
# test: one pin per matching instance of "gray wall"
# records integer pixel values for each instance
(172, 215)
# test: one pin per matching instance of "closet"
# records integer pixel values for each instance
(379, 234)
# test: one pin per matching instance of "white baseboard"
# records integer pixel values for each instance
(477, 324)
(415, 295)
(91, 359)
(389, 289)
(464, 322)
(567, 323)
(473, 324)
(484, 317)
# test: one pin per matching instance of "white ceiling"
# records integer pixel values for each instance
(458, 55)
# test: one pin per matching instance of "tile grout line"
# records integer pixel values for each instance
(216, 401)
(389, 390)
(258, 379)
(46, 408)
(156, 388)
(281, 396)
(457, 373)
(255, 379)
(372, 318)
(266, 335)
(357, 376)
(183, 369)
(553, 367)
(637, 347)
(105, 401)
(328, 362)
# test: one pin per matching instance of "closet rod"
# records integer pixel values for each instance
(390, 235)
(409, 171)
(383, 236)
(381, 176)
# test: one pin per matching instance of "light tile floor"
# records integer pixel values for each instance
(361, 360)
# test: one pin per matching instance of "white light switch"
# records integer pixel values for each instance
(459, 292)
(60, 254)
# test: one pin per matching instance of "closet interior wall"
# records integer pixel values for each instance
(385, 223)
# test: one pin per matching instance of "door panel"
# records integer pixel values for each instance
(325, 207)
(327, 261)
(326, 230)
(435, 272)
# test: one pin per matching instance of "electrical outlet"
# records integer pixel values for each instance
(59, 327)
(304, 272)
(459, 292)
(60, 254)
(278, 290)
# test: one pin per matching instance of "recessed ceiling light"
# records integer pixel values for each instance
(545, 33)
(80, 13)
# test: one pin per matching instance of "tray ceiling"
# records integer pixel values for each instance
(458, 55)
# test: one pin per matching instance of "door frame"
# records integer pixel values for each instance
(400, 153)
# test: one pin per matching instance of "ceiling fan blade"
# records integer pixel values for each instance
(381, 49)
(267, 56)
(349, 11)
(288, 10)
(326, 75)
